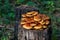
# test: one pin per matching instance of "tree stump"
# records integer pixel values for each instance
(24, 34)
(32, 34)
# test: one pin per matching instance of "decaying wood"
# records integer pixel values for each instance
(32, 34)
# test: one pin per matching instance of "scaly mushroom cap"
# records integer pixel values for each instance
(27, 26)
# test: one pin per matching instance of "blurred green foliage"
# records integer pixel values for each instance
(4, 34)
(44, 6)
(6, 11)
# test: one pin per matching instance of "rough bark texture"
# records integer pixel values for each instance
(24, 34)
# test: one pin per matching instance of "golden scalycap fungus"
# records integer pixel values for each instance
(34, 20)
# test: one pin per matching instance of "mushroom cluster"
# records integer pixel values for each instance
(34, 20)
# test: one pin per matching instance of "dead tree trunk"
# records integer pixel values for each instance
(24, 34)
(32, 34)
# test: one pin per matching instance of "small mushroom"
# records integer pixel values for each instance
(38, 27)
(29, 15)
(27, 26)
(23, 15)
(35, 13)
(32, 24)
(37, 18)
(41, 22)
(23, 22)
(47, 22)
(23, 19)
(31, 12)
(44, 26)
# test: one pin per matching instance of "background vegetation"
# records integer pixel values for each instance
(48, 7)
